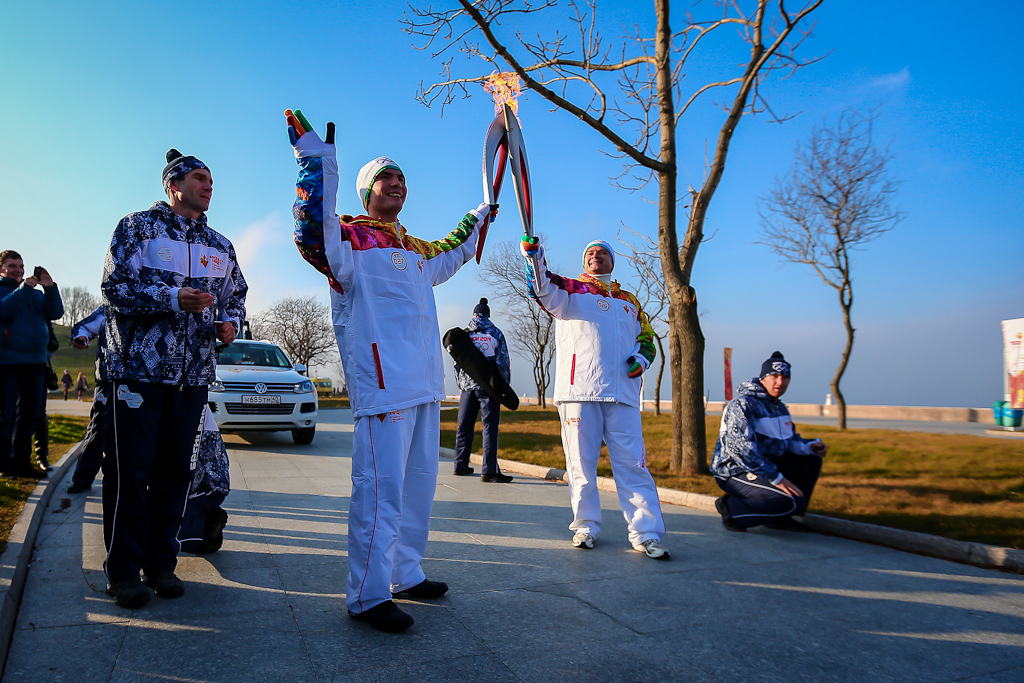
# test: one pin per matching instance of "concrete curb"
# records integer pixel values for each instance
(965, 552)
(17, 557)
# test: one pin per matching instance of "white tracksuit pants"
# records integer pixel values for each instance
(584, 426)
(394, 474)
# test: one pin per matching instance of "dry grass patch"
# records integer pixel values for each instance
(963, 487)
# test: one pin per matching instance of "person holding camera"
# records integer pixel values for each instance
(24, 336)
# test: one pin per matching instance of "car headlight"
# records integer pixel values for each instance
(304, 387)
(217, 385)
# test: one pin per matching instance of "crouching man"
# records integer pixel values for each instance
(766, 469)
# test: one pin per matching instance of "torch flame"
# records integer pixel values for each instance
(504, 87)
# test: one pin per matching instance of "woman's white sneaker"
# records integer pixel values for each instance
(653, 548)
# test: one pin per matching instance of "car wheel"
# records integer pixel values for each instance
(303, 436)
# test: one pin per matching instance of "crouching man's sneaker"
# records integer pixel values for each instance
(129, 593)
(165, 584)
(653, 548)
(385, 617)
(425, 590)
(582, 540)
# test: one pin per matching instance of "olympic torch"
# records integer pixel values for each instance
(505, 144)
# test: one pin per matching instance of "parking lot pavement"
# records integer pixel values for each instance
(523, 605)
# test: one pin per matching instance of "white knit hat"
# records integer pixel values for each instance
(368, 176)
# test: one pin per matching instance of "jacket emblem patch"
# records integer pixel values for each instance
(165, 254)
(603, 304)
(751, 476)
(398, 260)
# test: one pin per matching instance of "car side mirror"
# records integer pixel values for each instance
(300, 368)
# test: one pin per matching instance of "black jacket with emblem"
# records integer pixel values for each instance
(149, 338)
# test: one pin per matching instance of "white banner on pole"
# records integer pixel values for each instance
(1013, 361)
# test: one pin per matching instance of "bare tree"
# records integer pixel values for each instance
(576, 71)
(653, 297)
(532, 330)
(301, 326)
(78, 303)
(836, 199)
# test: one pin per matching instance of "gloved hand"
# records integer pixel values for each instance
(636, 366)
(529, 246)
(481, 212)
(304, 139)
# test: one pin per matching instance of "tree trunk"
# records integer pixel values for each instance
(661, 375)
(689, 448)
(846, 301)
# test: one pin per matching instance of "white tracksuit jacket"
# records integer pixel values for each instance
(385, 318)
(599, 327)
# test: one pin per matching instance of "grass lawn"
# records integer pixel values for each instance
(969, 488)
(14, 491)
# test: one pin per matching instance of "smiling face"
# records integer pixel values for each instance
(13, 268)
(190, 195)
(387, 196)
(775, 385)
(597, 261)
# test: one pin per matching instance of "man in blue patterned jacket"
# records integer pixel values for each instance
(171, 288)
(766, 469)
(491, 342)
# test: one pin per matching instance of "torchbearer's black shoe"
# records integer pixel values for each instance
(498, 478)
(385, 617)
(722, 505)
(425, 590)
(129, 593)
(78, 488)
(165, 584)
(464, 473)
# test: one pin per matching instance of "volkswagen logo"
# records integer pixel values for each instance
(260, 388)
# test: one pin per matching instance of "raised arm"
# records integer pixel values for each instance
(445, 256)
(547, 288)
(316, 191)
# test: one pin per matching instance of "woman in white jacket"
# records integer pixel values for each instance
(604, 343)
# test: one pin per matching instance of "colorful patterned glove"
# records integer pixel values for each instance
(636, 368)
(304, 139)
(529, 246)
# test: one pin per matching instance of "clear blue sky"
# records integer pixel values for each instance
(93, 95)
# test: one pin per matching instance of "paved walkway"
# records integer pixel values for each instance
(524, 606)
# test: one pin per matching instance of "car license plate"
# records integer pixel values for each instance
(261, 400)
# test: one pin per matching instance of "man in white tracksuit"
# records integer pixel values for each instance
(385, 321)
(604, 343)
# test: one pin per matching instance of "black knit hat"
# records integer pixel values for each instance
(178, 165)
(776, 365)
(481, 309)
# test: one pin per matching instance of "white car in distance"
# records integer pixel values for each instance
(259, 390)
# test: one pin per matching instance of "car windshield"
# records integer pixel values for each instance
(252, 354)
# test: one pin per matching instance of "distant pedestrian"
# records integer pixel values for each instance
(66, 382)
(82, 385)
(474, 400)
(766, 469)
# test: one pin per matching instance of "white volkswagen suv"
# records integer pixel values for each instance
(258, 389)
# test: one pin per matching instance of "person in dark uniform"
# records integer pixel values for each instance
(171, 289)
(475, 401)
(94, 443)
